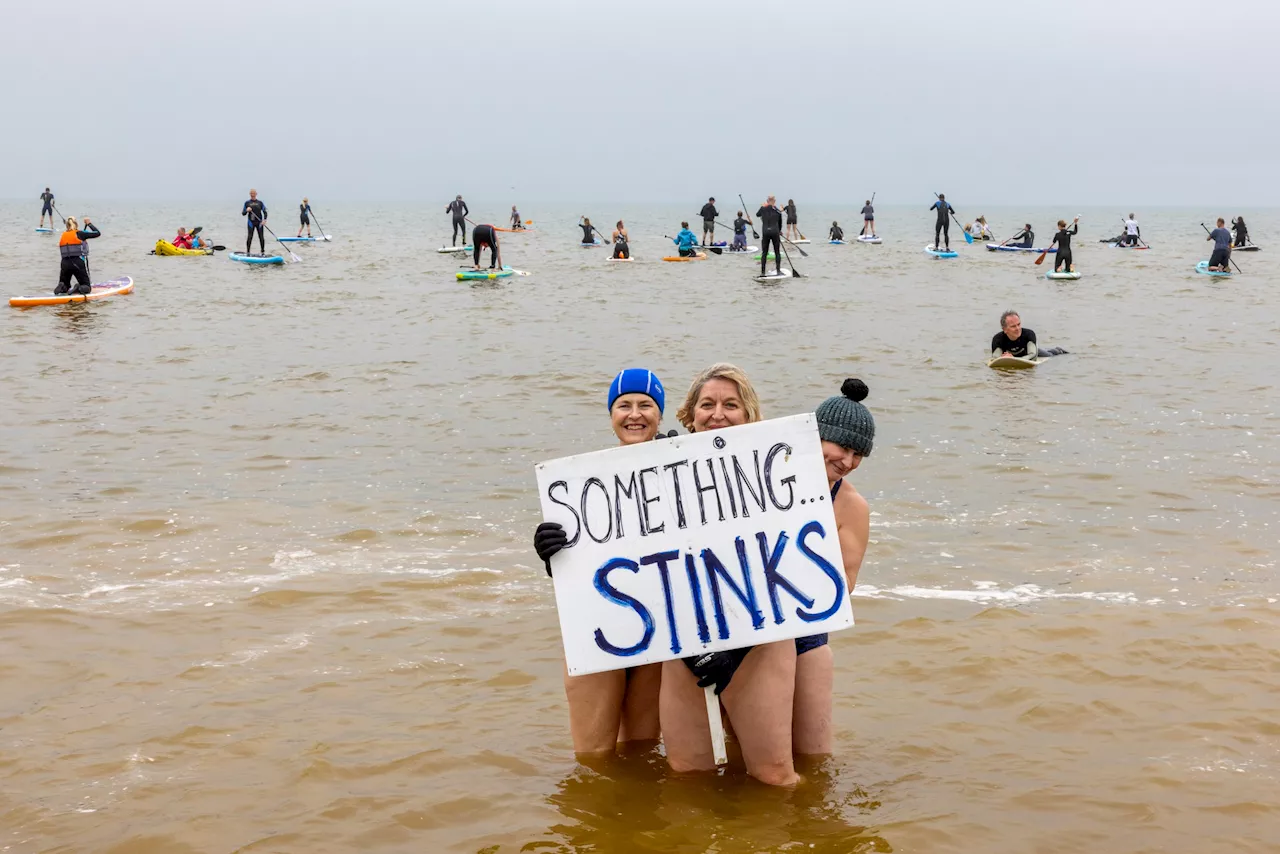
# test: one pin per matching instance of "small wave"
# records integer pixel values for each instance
(990, 592)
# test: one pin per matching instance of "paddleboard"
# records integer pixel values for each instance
(771, 257)
(621, 259)
(455, 250)
(802, 240)
(869, 239)
(1241, 248)
(122, 285)
(945, 253)
(996, 247)
(513, 230)
(746, 250)
(774, 277)
(1053, 275)
(1122, 246)
(305, 239)
(1203, 267)
(591, 245)
(256, 259)
(466, 275)
(701, 256)
(44, 231)
(836, 242)
(1016, 362)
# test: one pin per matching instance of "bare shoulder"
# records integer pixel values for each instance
(850, 505)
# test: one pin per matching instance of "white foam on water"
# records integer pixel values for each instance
(990, 591)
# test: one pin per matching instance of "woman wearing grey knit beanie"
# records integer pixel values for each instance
(847, 431)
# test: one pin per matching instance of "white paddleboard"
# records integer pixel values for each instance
(746, 251)
(1016, 362)
(865, 239)
(622, 259)
(1053, 275)
(802, 240)
(455, 250)
(774, 277)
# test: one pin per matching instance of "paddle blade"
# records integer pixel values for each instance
(794, 274)
(714, 250)
(528, 222)
(218, 248)
(1040, 260)
(968, 238)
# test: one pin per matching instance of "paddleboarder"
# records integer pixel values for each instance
(1241, 230)
(1220, 260)
(256, 212)
(836, 233)
(1024, 239)
(686, 241)
(621, 246)
(459, 209)
(1063, 241)
(709, 214)
(739, 234)
(588, 232)
(979, 228)
(943, 225)
(485, 236)
(770, 234)
(868, 220)
(75, 256)
(46, 199)
(793, 230)
(516, 224)
(1132, 233)
(304, 217)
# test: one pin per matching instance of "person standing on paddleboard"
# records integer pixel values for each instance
(771, 234)
(868, 220)
(458, 208)
(1241, 230)
(1063, 241)
(1131, 231)
(793, 229)
(482, 236)
(256, 212)
(621, 247)
(943, 226)
(75, 256)
(709, 214)
(739, 234)
(304, 217)
(47, 207)
(1220, 260)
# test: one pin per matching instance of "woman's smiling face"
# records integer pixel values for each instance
(718, 406)
(635, 418)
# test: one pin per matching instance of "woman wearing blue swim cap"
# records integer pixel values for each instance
(619, 705)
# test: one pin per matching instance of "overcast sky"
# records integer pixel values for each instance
(1143, 102)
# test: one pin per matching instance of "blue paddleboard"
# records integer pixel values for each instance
(1203, 267)
(256, 259)
(946, 253)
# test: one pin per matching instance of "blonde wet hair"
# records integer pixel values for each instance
(720, 371)
(72, 224)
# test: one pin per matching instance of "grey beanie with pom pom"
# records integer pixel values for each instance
(845, 421)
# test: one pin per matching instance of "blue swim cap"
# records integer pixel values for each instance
(637, 380)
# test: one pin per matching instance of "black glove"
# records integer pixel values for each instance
(716, 668)
(661, 435)
(548, 539)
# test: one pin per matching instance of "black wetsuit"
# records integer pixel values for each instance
(588, 235)
(620, 247)
(943, 225)
(459, 210)
(1026, 237)
(47, 199)
(256, 212)
(304, 215)
(791, 213)
(771, 235)
(482, 236)
(1242, 232)
(837, 233)
(1001, 343)
(75, 262)
(709, 214)
(1063, 239)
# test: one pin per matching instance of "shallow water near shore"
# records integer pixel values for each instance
(266, 581)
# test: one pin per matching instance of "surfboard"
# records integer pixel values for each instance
(836, 242)
(256, 259)
(44, 230)
(771, 257)
(746, 250)
(869, 239)
(1015, 362)
(1203, 267)
(467, 275)
(1250, 248)
(121, 285)
(701, 256)
(774, 277)
(801, 241)
(996, 247)
(1053, 275)
(455, 250)
(305, 239)
(945, 253)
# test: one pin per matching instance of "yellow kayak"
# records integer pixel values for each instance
(164, 247)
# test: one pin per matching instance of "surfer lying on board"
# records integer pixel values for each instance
(739, 234)
(837, 233)
(256, 212)
(75, 256)
(482, 236)
(686, 241)
(1220, 260)
(1025, 238)
(621, 246)
(1063, 241)
(1014, 340)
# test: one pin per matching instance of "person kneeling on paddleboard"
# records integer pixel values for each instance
(621, 248)
(837, 233)
(1025, 238)
(686, 241)
(256, 211)
(739, 234)
(1131, 232)
(482, 236)
(75, 257)
(1220, 260)
(1063, 241)
(771, 234)
(516, 224)
(588, 232)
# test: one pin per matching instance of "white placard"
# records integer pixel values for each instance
(702, 542)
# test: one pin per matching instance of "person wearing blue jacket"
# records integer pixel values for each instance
(943, 225)
(686, 241)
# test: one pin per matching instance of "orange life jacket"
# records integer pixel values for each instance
(71, 246)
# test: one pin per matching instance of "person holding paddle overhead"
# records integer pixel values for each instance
(1220, 260)
(709, 214)
(1063, 241)
(739, 234)
(771, 221)
(482, 236)
(256, 212)
(46, 207)
(621, 246)
(1024, 239)
(868, 220)
(943, 226)
(304, 217)
(459, 209)
(75, 256)
(686, 241)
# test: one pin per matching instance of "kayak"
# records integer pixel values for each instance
(701, 256)
(774, 277)
(256, 259)
(164, 247)
(467, 275)
(305, 239)
(1053, 275)
(1203, 267)
(1016, 362)
(945, 253)
(836, 242)
(455, 250)
(43, 230)
(122, 285)
(869, 239)
(996, 247)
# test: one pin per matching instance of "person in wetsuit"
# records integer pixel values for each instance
(1241, 230)
(304, 217)
(75, 256)
(482, 236)
(1063, 241)
(621, 247)
(256, 212)
(1220, 260)
(836, 233)
(46, 207)
(588, 232)
(1014, 340)
(943, 226)
(739, 234)
(868, 220)
(793, 229)
(771, 234)
(709, 214)
(459, 209)
(1025, 238)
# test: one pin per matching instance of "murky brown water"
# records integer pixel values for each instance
(266, 582)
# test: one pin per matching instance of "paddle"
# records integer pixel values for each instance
(755, 235)
(798, 249)
(864, 222)
(722, 225)
(794, 274)
(318, 225)
(715, 250)
(968, 238)
(1229, 258)
(294, 258)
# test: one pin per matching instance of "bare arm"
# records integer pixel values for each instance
(853, 524)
